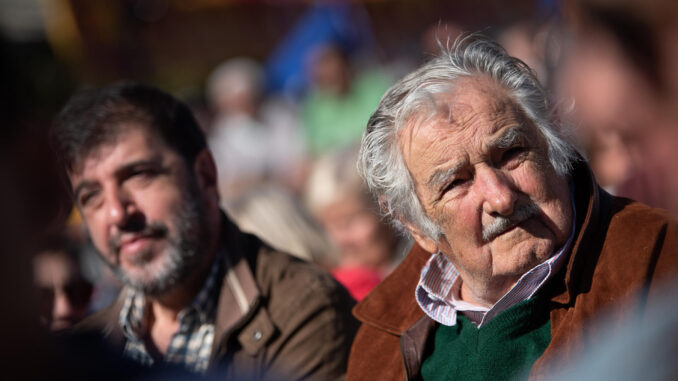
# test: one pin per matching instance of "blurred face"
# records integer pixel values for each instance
(64, 294)
(482, 174)
(143, 208)
(358, 233)
(329, 70)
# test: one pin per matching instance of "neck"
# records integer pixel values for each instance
(484, 296)
(169, 304)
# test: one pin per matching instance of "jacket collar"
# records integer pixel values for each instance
(589, 238)
(391, 305)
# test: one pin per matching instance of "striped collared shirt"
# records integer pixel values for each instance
(438, 292)
(191, 345)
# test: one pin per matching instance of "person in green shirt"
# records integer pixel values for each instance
(339, 102)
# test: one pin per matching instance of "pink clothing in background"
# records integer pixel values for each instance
(359, 281)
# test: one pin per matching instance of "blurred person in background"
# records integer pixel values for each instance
(63, 292)
(624, 103)
(199, 294)
(646, 351)
(277, 217)
(524, 40)
(340, 99)
(367, 248)
(253, 140)
(444, 33)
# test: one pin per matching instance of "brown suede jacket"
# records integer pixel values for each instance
(622, 253)
(278, 317)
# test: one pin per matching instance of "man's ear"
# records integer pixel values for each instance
(205, 171)
(426, 243)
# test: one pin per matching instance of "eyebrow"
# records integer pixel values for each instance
(440, 176)
(124, 170)
(509, 137)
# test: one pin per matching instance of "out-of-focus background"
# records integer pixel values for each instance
(283, 90)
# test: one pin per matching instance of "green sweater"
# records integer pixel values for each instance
(503, 349)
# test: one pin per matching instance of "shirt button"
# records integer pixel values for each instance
(256, 335)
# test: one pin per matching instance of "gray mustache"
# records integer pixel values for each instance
(502, 223)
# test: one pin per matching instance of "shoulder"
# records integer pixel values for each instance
(638, 228)
(640, 246)
(288, 283)
(311, 314)
(628, 213)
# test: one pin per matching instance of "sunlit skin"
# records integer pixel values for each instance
(480, 158)
(126, 185)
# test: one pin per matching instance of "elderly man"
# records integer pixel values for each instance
(199, 293)
(518, 248)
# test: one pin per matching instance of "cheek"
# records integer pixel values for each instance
(96, 231)
(537, 182)
(552, 194)
(159, 206)
(460, 219)
(101, 244)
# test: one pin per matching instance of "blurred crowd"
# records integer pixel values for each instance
(285, 136)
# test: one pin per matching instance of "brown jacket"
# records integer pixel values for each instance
(623, 250)
(278, 317)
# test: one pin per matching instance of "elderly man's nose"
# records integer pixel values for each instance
(498, 195)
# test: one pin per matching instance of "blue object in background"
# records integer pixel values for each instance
(340, 23)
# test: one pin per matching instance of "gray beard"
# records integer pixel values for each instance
(182, 253)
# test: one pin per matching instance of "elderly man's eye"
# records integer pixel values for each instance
(456, 183)
(513, 154)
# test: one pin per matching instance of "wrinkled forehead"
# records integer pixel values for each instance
(461, 105)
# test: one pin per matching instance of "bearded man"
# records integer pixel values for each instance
(199, 293)
(518, 248)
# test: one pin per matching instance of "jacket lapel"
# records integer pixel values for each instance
(391, 306)
(239, 299)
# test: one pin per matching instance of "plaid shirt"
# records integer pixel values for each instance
(438, 292)
(191, 345)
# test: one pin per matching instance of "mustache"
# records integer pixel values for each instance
(153, 229)
(502, 223)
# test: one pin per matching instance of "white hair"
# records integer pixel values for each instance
(380, 160)
(236, 75)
